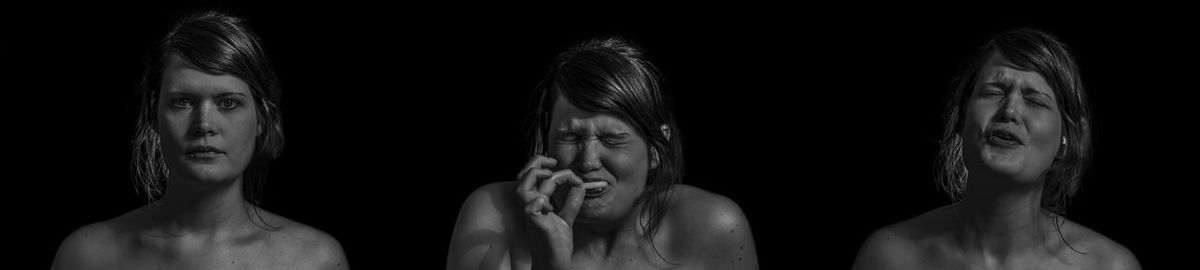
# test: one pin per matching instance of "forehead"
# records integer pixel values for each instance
(1000, 70)
(568, 116)
(181, 76)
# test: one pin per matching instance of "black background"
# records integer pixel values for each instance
(821, 124)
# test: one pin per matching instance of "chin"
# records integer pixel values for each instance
(209, 173)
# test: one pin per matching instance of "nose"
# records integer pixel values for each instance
(202, 125)
(588, 158)
(1010, 109)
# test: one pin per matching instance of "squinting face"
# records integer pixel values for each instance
(207, 123)
(600, 147)
(1013, 127)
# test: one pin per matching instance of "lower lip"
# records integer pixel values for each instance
(993, 141)
(203, 155)
(596, 192)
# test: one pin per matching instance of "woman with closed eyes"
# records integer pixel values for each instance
(601, 189)
(1016, 142)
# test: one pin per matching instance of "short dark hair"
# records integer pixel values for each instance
(215, 43)
(1030, 50)
(609, 75)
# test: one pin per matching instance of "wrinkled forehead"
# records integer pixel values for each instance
(567, 116)
(1000, 71)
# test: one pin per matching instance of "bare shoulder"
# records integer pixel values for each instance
(101, 245)
(903, 244)
(486, 221)
(1095, 249)
(488, 206)
(88, 247)
(713, 211)
(709, 228)
(308, 247)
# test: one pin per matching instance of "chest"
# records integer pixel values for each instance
(625, 256)
(158, 255)
(953, 260)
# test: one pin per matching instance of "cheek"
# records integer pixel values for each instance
(1046, 132)
(565, 155)
(630, 167)
(172, 127)
(243, 132)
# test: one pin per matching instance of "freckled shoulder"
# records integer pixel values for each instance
(308, 247)
(709, 229)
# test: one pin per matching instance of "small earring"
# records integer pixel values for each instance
(1061, 151)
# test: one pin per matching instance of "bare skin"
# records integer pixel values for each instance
(939, 240)
(151, 238)
(701, 230)
(208, 124)
(498, 228)
(999, 224)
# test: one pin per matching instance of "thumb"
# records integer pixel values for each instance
(571, 206)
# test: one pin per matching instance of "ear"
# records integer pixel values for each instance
(653, 158)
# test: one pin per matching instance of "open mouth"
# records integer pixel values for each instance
(1003, 138)
(595, 189)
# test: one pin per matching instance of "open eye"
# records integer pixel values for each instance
(181, 103)
(229, 103)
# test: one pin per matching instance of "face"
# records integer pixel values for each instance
(1013, 127)
(207, 123)
(600, 147)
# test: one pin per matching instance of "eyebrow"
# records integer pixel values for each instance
(1025, 89)
(603, 128)
(218, 95)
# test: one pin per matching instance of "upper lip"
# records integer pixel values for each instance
(594, 179)
(203, 148)
(1004, 133)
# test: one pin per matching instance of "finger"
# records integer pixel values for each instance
(527, 187)
(571, 206)
(574, 201)
(538, 162)
(559, 178)
(535, 164)
(538, 205)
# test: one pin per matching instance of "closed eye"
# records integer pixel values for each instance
(566, 138)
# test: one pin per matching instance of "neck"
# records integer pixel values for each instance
(998, 222)
(599, 240)
(192, 207)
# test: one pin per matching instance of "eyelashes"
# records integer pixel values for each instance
(610, 140)
(224, 104)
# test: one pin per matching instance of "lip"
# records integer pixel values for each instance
(1002, 138)
(203, 152)
(599, 191)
